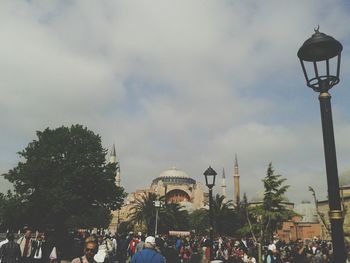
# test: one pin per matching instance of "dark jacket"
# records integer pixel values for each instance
(44, 250)
(171, 255)
(10, 252)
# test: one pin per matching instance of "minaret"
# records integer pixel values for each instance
(223, 184)
(236, 193)
(114, 159)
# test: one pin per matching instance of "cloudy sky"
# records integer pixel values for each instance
(184, 83)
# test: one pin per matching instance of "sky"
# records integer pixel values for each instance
(186, 83)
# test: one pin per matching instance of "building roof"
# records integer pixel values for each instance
(259, 197)
(344, 178)
(307, 211)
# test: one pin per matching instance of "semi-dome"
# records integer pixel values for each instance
(258, 197)
(307, 212)
(174, 176)
(344, 178)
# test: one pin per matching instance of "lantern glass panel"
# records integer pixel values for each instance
(326, 70)
(210, 180)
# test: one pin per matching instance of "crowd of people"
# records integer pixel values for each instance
(176, 249)
(102, 247)
(26, 249)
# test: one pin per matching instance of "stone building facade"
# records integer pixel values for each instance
(323, 207)
(304, 226)
(176, 185)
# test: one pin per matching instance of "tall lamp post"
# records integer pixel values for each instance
(210, 175)
(157, 205)
(318, 50)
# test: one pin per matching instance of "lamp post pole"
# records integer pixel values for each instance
(210, 175)
(211, 231)
(156, 228)
(335, 213)
(318, 49)
(157, 205)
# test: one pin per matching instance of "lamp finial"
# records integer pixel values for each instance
(317, 29)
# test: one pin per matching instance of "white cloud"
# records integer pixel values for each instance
(186, 83)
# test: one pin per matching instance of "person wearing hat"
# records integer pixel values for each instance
(149, 253)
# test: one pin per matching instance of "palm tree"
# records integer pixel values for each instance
(173, 217)
(199, 221)
(223, 215)
(143, 212)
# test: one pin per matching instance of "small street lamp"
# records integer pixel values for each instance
(157, 205)
(317, 52)
(210, 175)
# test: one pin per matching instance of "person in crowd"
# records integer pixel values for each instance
(299, 252)
(149, 253)
(269, 257)
(141, 243)
(4, 241)
(10, 252)
(178, 243)
(78, 244)
(25, 244)
(132, 245)
(250, 259)
(122, 248)
(90, 251)
(40, 250)
(170, 253)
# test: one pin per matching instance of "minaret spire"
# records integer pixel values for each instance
(223, 184)
(114, 159)
(113, 155)
(236, 188)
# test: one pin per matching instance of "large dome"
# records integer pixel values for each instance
(344, 178)
(174, 173)
(174, 176)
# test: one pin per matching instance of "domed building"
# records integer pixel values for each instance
(177, 187)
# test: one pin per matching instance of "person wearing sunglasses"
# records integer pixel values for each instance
(90, 251)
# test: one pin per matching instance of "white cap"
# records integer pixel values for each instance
(150, 240)
(100, 256)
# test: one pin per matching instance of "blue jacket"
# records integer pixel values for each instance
(147, 255)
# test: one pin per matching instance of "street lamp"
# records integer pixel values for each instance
(157, 205)
(318, 51)
(210, 175)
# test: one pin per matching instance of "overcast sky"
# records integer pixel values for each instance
(184, 83)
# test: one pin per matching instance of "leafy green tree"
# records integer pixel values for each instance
(240, 224)
(273, 212)
(65, 181)
(11, 214)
